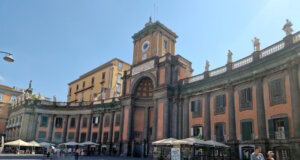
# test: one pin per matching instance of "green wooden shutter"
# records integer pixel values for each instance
(246, 130)
(271, 129)
(286, 127)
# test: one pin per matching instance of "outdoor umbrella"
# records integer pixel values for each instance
(34, 144)
(216, 144)
(18, 143)
(191, 141)
(169, 141)
(46, 144)
(87, 143)
(70, 144)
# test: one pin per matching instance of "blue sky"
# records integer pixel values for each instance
(55, 41)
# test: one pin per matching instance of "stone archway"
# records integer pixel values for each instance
(142, 115)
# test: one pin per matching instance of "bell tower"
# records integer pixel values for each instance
(155, 39)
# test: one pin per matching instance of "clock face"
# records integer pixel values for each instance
(145, 46)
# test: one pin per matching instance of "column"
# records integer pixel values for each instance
(295, 94)
(90, 127)
(146, 127)
(207, 123)
(51, 128)
(130, 119)
(78, 128)
(166, 124)
(66, 129)
(185, 120)
(260, 109)
(100, 132)
(180, 117)
(111, 131)
(121, 130)
(175, 117)
(154, 125)
(231, 114)
(36, 119)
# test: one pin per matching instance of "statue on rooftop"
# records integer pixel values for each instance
(256, 44)
(287, 28)
(229, 56)
(207, 66)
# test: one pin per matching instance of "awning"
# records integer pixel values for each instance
(216, 144)
(34, 144)
(87, 143)
(191, 141)
(46, 144)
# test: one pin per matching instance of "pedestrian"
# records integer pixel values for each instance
(270, 155)
(257, 155)
(77, 153)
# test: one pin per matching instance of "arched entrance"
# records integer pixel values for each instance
(142, 116)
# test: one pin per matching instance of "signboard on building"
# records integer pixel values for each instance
(143, 67)
(175, 153)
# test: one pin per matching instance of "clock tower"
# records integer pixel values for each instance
(154, 39)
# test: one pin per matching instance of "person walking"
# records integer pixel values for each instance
(270, 155)
(77, 153)
(257, 155)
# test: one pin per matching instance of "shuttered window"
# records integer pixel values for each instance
(245, 97)
(279, 128)
(196, 108)
(220, 104)
(247, 131)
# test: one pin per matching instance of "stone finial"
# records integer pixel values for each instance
(287, 28)
(229, 56)
(256, 44)
(207, 66)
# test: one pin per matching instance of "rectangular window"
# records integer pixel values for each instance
(13, 99)
(220, 103)
(77, 87)
(120, 66)
(106, 121)
(42, 135)
(279, 128)
(58, 122)
(247, 131)
(82, 137)
(118, 119)
(71, 136)
(92, 82)
(105, 137)
(165, 44)
(70, 91)
(277, 91)
(220, 132)
(0, 109)
(95, 121)
(94, 137)
(44, 121)
(103, 76)
(83, 85)
(245, 97)
(196, 108)
(197, 131)
(1, 97)
(119, 78)
(84, 122)
(72, 124)
(57, 136)
(116, 137)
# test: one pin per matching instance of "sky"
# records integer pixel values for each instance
(55, 41)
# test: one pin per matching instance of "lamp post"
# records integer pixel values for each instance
(8, 57)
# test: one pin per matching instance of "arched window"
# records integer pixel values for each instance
(144, 88)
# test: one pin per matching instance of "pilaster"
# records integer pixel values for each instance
(207, 124)
(260, 108)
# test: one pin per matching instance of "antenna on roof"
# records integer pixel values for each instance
(155, 11)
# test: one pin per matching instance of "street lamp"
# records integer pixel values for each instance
(8, 57)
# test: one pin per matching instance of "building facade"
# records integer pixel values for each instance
(246, 103)
(102, 82)
(8, 96)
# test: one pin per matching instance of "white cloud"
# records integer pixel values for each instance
(2, 79)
